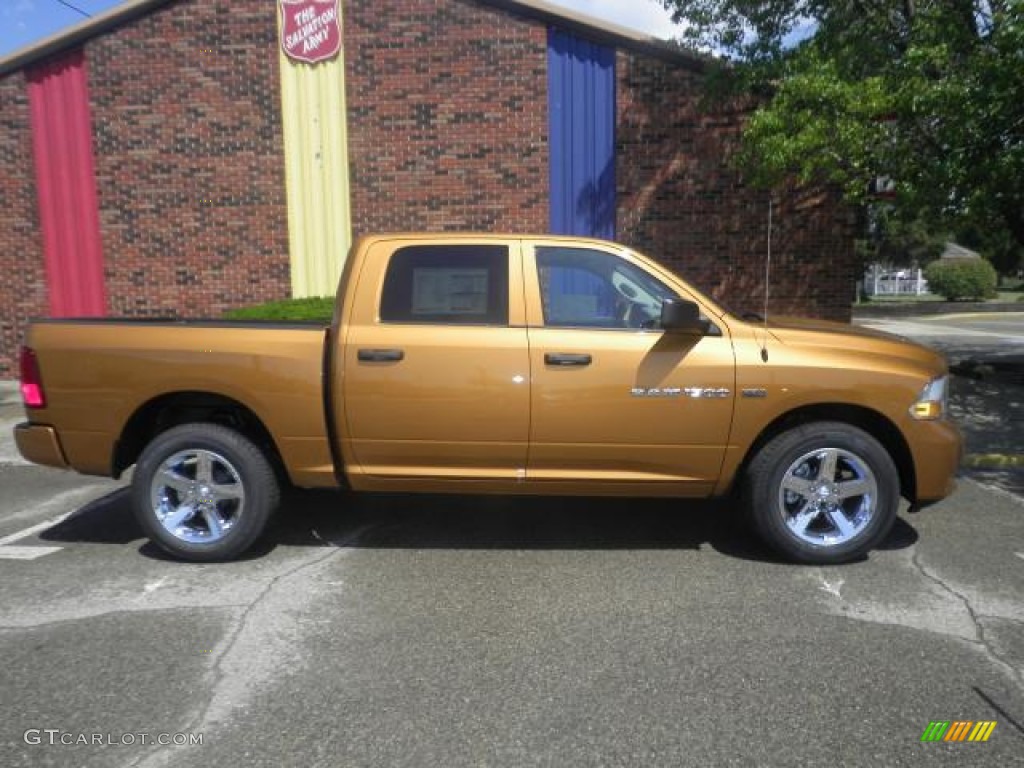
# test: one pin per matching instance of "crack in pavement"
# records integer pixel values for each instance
(240, 625)
(201, 719)
(1015, 673)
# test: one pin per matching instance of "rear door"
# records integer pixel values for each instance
(437, 373)
(617, 403)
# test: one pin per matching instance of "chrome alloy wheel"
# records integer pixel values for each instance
(197, 496)
(828, 497)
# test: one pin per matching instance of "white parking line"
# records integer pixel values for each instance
(24, 533)
(1020, 555)
(30, 553)
(26, 553)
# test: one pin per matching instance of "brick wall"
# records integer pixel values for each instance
(447, 107)
(22, 272)
(189, 159)
(682, 201)
(447, 104)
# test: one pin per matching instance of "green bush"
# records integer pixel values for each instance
(319, 309)
(962, 278)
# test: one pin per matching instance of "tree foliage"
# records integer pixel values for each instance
(928, 94)
(898, 241)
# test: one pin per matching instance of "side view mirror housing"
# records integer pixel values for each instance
(683, 316)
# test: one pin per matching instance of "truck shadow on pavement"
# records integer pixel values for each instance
(405, 521)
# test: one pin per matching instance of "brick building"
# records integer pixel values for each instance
(167, 158)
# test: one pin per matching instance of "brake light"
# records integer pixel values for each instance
(31, 382)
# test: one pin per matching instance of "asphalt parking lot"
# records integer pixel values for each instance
(401, 631)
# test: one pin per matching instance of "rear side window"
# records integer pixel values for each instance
(447, 284)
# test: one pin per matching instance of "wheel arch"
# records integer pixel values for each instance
(876, 424)
(173, 409)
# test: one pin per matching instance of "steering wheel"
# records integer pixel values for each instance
(631, 317)
(628, 307)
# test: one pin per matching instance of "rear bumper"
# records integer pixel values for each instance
(938, 449)
(40, 445)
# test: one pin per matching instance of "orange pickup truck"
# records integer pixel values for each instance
(481, 363)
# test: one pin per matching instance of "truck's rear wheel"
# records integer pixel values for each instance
(204, 492)
(822, 493)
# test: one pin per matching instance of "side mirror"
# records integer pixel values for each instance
(682, 316)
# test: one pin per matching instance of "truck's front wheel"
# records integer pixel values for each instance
(822, 493)
(204, 492)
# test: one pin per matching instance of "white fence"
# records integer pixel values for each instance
(882, 281)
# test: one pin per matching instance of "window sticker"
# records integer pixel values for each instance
(445, 291)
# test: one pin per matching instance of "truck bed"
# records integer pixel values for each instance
(102, 373)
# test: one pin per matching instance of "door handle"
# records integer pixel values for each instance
(565, 360)
(380, 355)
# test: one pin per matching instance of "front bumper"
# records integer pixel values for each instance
(40, 445)
(938, 450)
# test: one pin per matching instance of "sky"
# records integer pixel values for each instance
(24, 21)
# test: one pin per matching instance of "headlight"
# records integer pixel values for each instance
(931, 404)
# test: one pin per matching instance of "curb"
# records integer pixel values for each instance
(9, 393)
(993, 460)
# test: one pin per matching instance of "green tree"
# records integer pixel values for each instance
(901, 241)
(927, 94)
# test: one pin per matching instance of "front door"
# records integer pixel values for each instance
(437, 373)
(616, 402)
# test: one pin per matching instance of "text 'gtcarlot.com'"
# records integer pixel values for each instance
(56, 737)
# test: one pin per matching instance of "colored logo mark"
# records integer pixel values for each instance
(958, 730)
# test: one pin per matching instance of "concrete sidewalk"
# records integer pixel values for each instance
(11, 412)
(9, 394)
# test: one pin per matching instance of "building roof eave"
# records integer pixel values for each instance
(597, 30)
(74, 36)
(606, 32)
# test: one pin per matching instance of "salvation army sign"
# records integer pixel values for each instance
(310, 31)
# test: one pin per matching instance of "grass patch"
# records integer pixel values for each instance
(1004, 296)
(902, 298)
(318, 309)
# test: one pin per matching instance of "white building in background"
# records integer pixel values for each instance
(886, 280)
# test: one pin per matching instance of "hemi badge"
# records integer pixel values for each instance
(755, 392)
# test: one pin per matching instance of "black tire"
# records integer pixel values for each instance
(824, 527)
(220, 527)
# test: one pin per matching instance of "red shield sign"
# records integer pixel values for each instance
(310, 31)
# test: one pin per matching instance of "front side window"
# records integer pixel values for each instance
(447, 284)
(584, 288)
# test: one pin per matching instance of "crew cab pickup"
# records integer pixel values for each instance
(504, 364)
